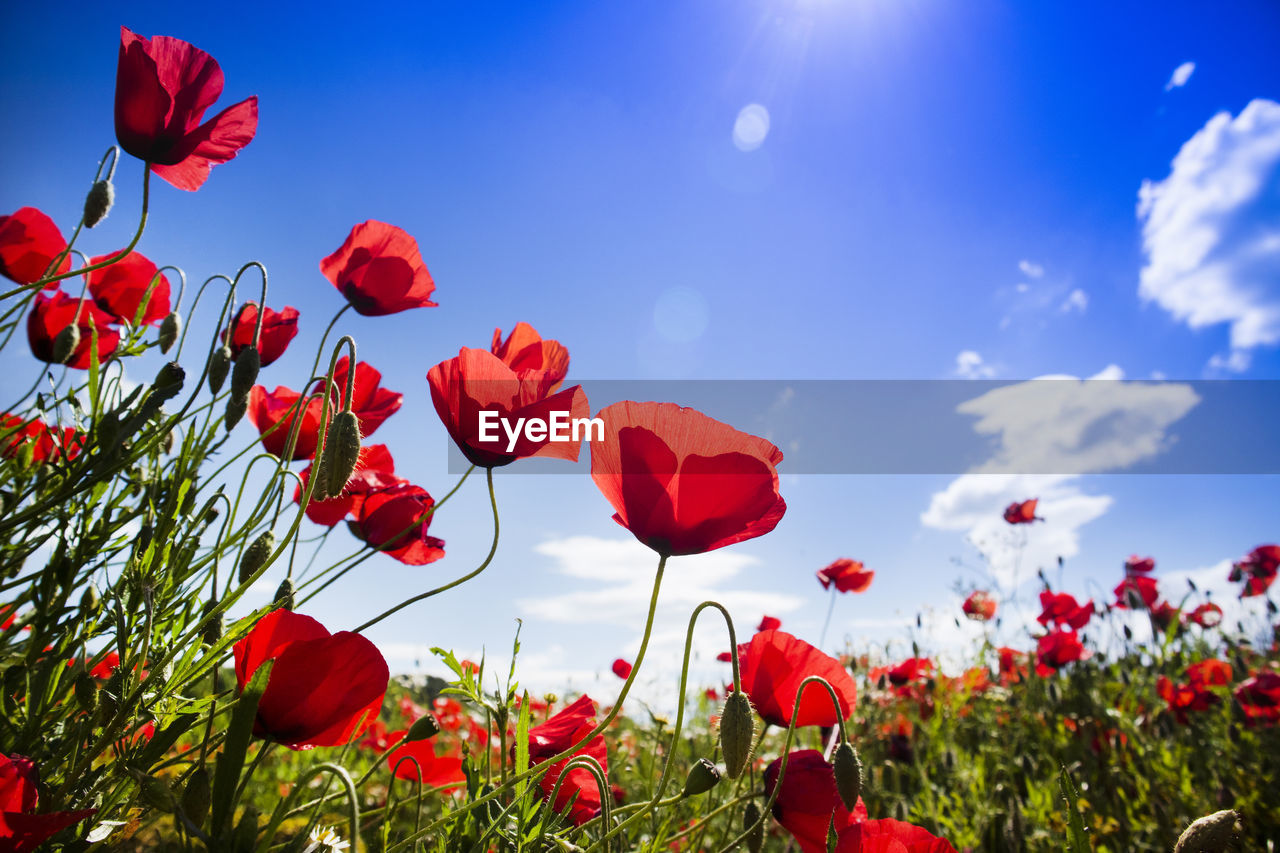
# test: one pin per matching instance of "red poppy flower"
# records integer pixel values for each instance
(1063, 609)
(557, 734)
(525, 349)
(725, 657)
(1136, 565)
(478, 382)
(1259, 567)
(808, 802)
(1181, 698)
(1209, 672)
(1137, 592)
(622, 668)
(911, 670)
(267, 409)
(1259, 698)
(437, 771)
(371, 403)
(119, 288)
(1022, 512)
(29, 241)
(379, 269)
(1164, 615)
(54, 312)
(1012, 665)
(769, 623)
(1207, 615)
(163, 87)
(21, 830)
(980, 606)
(890, 836)
(1057, 649)
(394, 520)
(278, 329)
(48, 444)
(772, 666)
(682, 482)
(324, 689)
(848, 576)
(374, 471)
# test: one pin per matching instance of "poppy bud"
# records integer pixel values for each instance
(168, 443)
(90, 602)
(168, 382)
(219, 364)
(236, 407)
(737, 731)
(341, 451)
(703, 776)
(1213, 833)
(284, 594)
(422, 729)
(246, 835)
(848, 770)
(900, 810)
(245, 372)
(65, 344)
(1054, 695)
(170, 328)
(754, 827)
(1128, 633)
(155, 792)
(212, 632)
(255, 556)
(97, 204)
(86, 692)
(196, 797)
(6, 502)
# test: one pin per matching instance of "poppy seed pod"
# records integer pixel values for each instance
(341, 452)
(703, 776)
(97, 204)
(65, 344)
(284, 594)
(1213, 833)
(255, 556)
(737, 731)
(219, 364)
(245, 371)
(422, 729)
(848, 771)
(754, 827)
(170, 328)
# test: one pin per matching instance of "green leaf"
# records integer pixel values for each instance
(226, 776)
(1078, 841)
(163, 739)
(522, 744)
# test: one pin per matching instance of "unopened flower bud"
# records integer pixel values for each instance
(284, 594)
(168, 443)
(236, 407)
(737, 732)
(196, 797)
(1213, 833)
(65, 344)
(86, 692)
(703, 776)
(90, 602)
(246, 835)
(156, 793)
(219, 364)
(245, 372)
(422, 729)
(848, 771)
(255, 556)
(341, 451)
(754, 827)
(168, 382)
(170, 328)
(211, 633)
(97, 204)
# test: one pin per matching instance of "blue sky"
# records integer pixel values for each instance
(943, 190)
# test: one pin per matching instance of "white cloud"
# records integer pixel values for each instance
(1077, 300)
(1235, 361)
(969, 365)
(1031, 269)
(1180, 76)
(1211, 230)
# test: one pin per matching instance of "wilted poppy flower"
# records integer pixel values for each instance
(21, 829)
(478, 382)
(525, 349)
(1258, 569)
(1259, 698)
(769, 623)
(621, 668)
(1207, 615)
(437, 771)
(847, 575)
(980, 606)
(808, 802)
(276, 411)
(278, 329)
(553, 737)
(54, 312)
(379, 269)
(1057, 649)
(374, 471)
(1063, 609)
(371, 403)
(395, 521)
(772, 666)
(324, 689)
(889, 836)
(119, 288)
(1022, 512)
(1137, 592)
(1136, 565)
(48, 444)
(163, 87)
(29, 241)
(684, 483)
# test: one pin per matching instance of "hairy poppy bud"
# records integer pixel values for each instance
(284, 594)
(737, 731)
(168, 382)
(97, 204)
(236, 407)
(752, 825)
(246, 835)
(65, 343)
(255, 556)
(196, 797)
(245, 372)
(90, 602)
(212, 632)
(1210, 834)
(86, 692)
(422, 729)
(219, 364)
(703, 776)
(341, 451)
(155, 792)
(848, 770)
(170, 328)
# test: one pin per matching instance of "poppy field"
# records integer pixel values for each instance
(137, 513)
